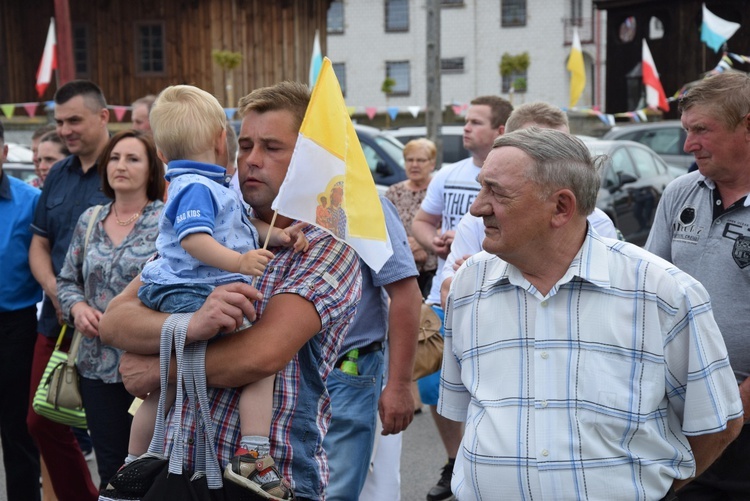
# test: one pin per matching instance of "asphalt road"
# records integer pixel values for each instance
(422, 457)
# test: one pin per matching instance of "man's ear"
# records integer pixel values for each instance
(220, 149)
(566, 207)
(162, 157)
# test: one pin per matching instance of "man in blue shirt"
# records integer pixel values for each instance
(19, 294)
(356, 398)
(72, 186)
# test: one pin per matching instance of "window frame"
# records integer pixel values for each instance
(336, 30)
(459, 68)
(341, 77)
(84, 52)
(388, 68)
(390, 4)
(508, 17)
(138, 46)
(507, 82)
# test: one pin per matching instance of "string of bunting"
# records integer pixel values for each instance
(640, 115)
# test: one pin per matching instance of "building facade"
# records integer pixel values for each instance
(371, 40)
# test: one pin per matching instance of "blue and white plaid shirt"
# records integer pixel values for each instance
(588, 392)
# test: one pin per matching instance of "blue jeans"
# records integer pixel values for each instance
(174, 298)
(354, 408)
(429, 386)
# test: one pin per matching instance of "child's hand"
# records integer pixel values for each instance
(297, 238)
(254, 262)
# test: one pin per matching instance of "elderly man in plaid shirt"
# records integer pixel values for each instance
(584, 368)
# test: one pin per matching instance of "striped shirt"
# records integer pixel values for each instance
(327, 275)
(588, 392)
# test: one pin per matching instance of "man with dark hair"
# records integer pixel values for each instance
(19, 294)
(72, 186)
(448, 198)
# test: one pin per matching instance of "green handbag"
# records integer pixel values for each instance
(57, 397)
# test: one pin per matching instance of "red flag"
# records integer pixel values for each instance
(49, 60)
(655, 96)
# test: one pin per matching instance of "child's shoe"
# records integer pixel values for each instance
(258, 474)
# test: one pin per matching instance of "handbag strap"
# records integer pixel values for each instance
(61, 336)
(191, 382)
(75, 343)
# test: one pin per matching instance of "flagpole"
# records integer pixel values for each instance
(273, 220)
(254, 282)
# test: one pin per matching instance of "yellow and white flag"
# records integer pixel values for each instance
(329, 183)
(576, 69)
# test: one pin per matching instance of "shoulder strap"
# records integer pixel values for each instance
(90, 227)
(76, 341)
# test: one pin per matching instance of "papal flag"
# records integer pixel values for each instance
(576, 69)
(329, 183)
(715, 30)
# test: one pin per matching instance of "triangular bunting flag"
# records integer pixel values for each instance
(230, 112)
(30, 108)
(351, 110)
(414, 110)
(119, 112)
(8, 109)
(393, 112)
(371, 111)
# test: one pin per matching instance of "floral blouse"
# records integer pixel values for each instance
(407, 202)
(104, 273)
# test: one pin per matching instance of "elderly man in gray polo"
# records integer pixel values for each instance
(584, 368)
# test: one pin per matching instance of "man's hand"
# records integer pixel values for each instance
(223, 311)
(86, 319)
(396, 407)
(442, 243)
(254, 262)
(140, 373)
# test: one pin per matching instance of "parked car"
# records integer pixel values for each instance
(666, 138)
(19, 153)
(452, 136)
(23, 171)
(384, 155)
(633, 179)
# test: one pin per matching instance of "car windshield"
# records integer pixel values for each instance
(392, 147)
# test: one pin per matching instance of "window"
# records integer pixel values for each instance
(576, 12)
(81, 50)
(396, 15)
(149, 53)
(452, 65)
(515, 80)
(513, 13)
(451, 3)
(340, 70)
(399, 72)
(335, 19)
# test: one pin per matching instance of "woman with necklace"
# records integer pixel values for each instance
(121, 241)
(407, 196)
